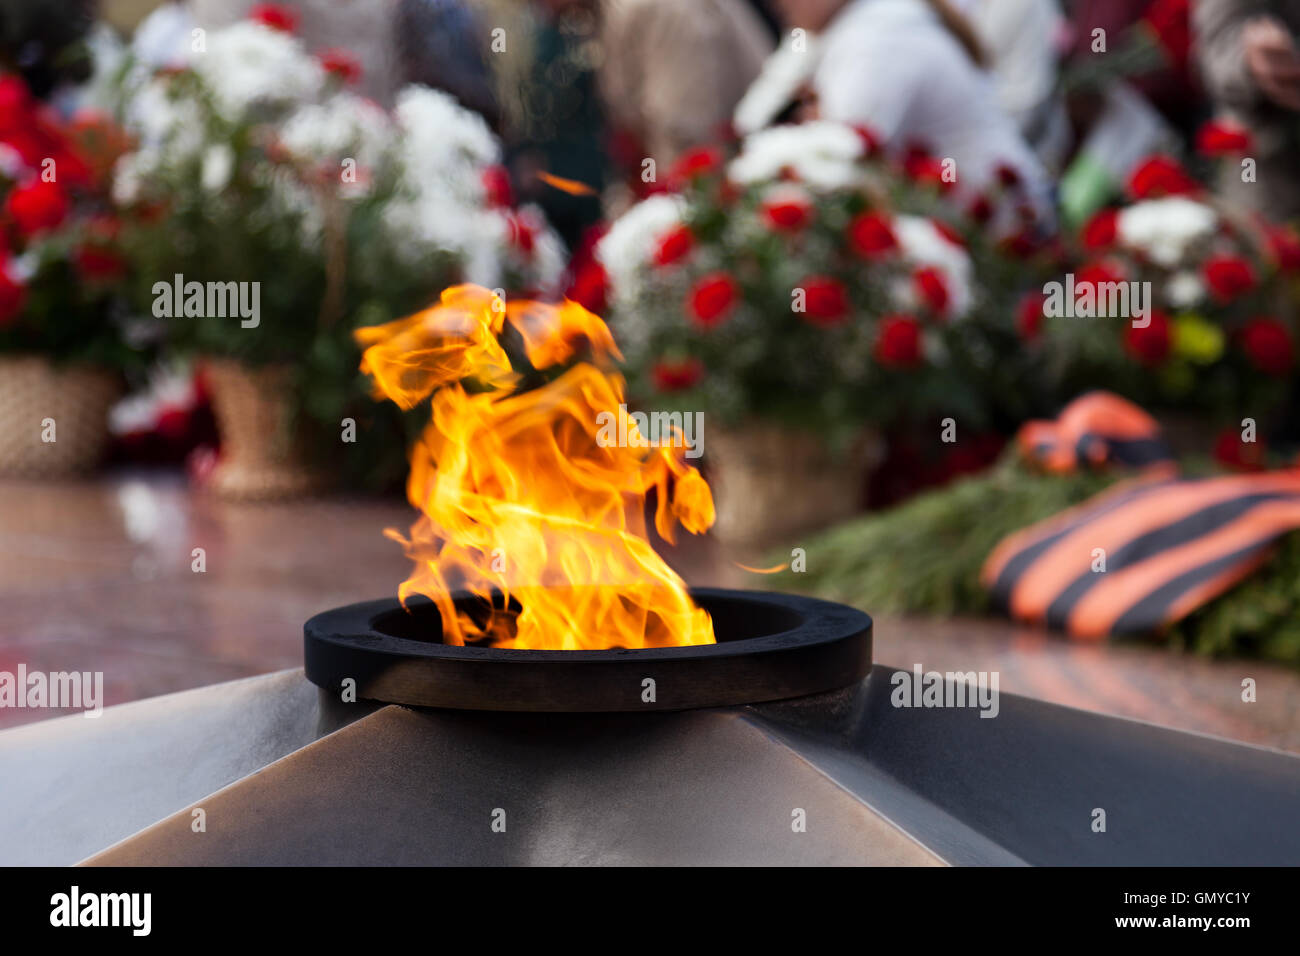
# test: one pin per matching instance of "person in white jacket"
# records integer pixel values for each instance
(907, 70)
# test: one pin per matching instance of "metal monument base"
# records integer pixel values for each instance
(287, 774)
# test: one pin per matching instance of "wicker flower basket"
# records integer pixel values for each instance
(40, 400)
(261, 458)
(772, 484)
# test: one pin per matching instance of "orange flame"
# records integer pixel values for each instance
(519, 495)
(571, 186)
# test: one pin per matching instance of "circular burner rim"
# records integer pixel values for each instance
(829, 649)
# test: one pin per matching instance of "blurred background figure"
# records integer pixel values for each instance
(674, 70)
(913, 72)
(1250, 58)
(1021, 40)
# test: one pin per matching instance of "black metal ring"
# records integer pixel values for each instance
(800, 646)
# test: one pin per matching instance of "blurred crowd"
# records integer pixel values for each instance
(1071, 94)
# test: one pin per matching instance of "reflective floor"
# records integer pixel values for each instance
(103, 576)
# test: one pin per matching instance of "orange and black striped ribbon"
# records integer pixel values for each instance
(1167, 546)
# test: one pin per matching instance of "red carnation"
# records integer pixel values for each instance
(1097, 273)
(1101, 230)
(948, 232)
(1149, 344)
(590, 287)
(981, 210)
(712, 298)
(787, 214)
(1008, 175)
(496, 183)
(1171, 22)
(921, 167)
(898, 342)
(1284, 243)
(1222, 138)
(825, 299)
(931, 288)
(674, 245)
(871, 143)
(12, 295)
(1228, 277)
(1161, 176)
(340, 63)
(97, 259)
(15, 104)
(1240, 455)
(36, 206)
(1029, 315)
(277, 16)
(692, 164)
(1267, 344)
(521, 235)
(670, 376)
(871, 236)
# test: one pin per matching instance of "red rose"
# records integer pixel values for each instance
(36, 206)
(1240, 455)
(1284, 243)
(712, 298)
(1161, 176)
(590, 287)
(1019, 245)
(496, 183)
(871, 236)
(674, 245)
(1222, 138)
(825, 300)
(692, 164)
(676, 376)
(1029, 315)
(1101, 230)
(931, 288)
(787, 214)
(1149, 344)
(276, 16)
(1267, 344)
(1228, 277)
(340, 63)
(12, 295)
(898, 342)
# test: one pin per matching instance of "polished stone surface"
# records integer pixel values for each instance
(97, 575)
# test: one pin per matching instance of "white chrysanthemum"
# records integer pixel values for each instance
(625, 250)
(345, 125)
(821, 154)
(1165, 229)
(777, 84)
(218, 164)
(1184, 290)
(922, 244)
(444, 142)
(248, 63)
(172, 126)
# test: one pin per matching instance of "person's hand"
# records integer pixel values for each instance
(1273, 61)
